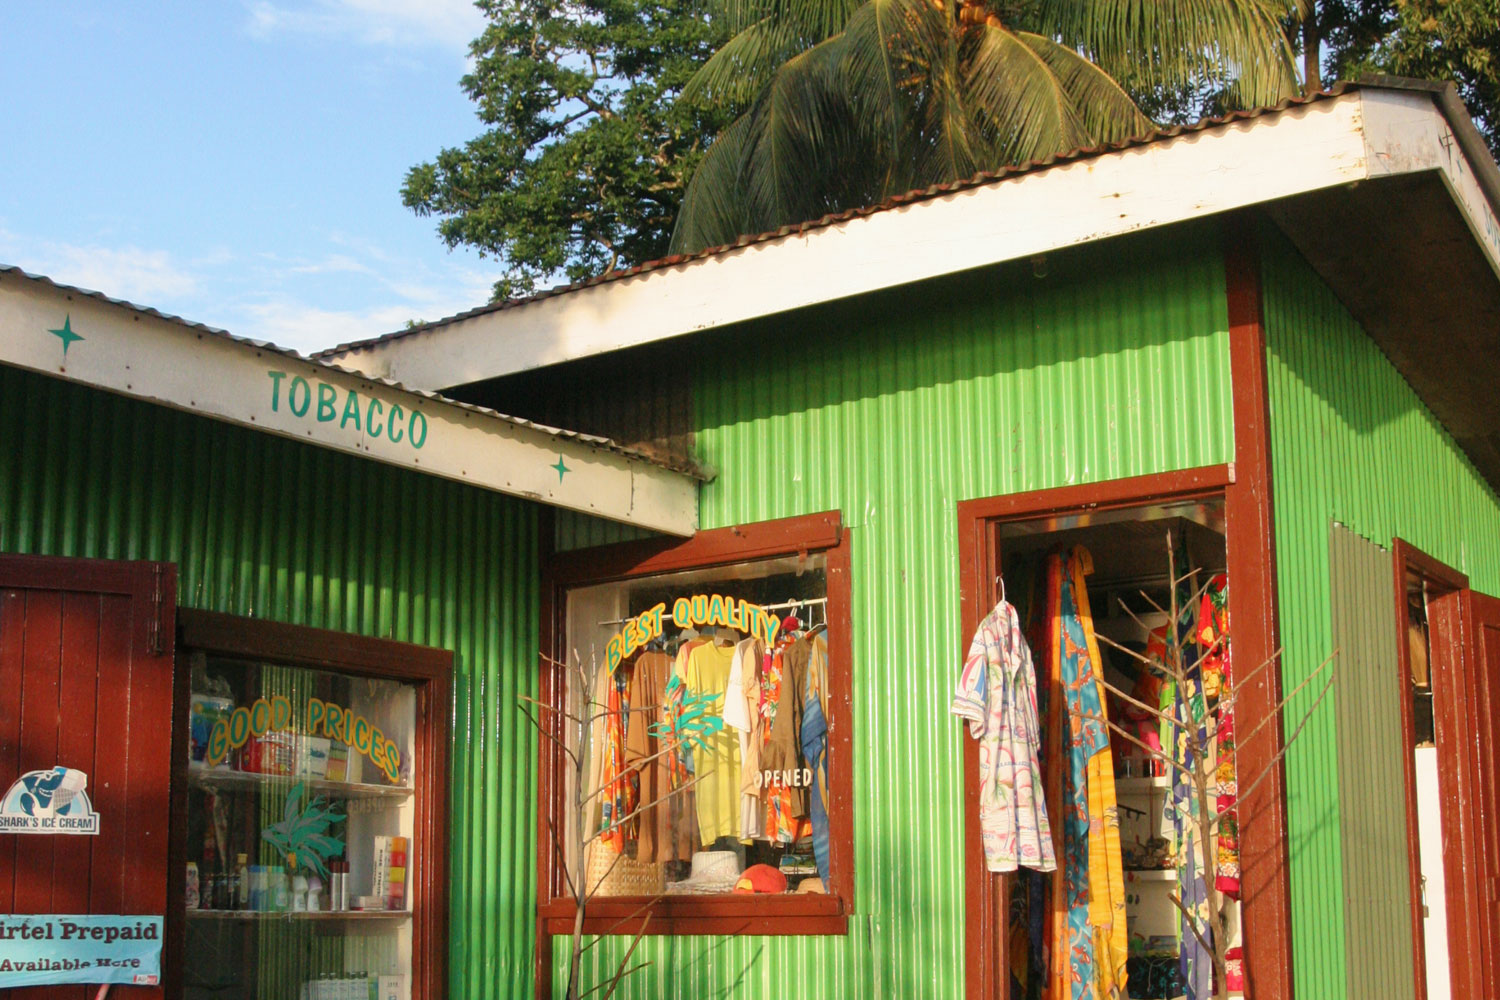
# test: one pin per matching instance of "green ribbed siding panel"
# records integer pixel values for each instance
(1350, 442)
(892, 409)
(276, 529)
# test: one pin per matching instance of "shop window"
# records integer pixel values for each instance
(314, 856)
(715, 769)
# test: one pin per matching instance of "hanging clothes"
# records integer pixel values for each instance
(742, 713)
(996, 694)
(785, 805)
(681, 808)
(814, 749)
(658, 840)
(1090, 940)
(1188, 706)
(1218, 682)
(716, 755)
(618, 797)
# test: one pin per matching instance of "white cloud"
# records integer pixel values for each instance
(128, 272)
(356, 290)
(450, 23)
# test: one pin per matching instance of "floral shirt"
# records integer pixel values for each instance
(997, 695)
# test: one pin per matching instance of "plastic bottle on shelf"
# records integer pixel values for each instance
(192, 885)
(279, 890)
(299, 893)
(241, 900)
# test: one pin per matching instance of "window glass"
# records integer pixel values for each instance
(700, 713)
(299, 840)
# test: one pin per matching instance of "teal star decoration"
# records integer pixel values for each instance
(66, 334)
(560, 467)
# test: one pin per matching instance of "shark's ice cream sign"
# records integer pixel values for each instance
(49, 802)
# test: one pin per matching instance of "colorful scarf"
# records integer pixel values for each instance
(1089, 913)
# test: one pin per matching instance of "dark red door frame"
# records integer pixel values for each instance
(985, 898)
(1264, 881)
(1413, 565)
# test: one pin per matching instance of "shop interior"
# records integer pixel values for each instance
(1130, 595)
(706, 761)
(300, 833)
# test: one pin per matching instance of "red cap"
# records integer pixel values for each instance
(761, 878)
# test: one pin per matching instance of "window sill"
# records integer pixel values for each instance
(712, 915)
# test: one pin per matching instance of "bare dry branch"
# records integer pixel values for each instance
(1159, 755)
(562, 862)
(1191, 921)
(620, 971)
(561, 744)
(1275, 713)
(1270, 768)
(648, 904)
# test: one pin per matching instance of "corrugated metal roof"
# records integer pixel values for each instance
(897, 201)
(317, 359)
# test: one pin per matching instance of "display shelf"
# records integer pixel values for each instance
(217, 778)
(297, 914)
(1143, 786)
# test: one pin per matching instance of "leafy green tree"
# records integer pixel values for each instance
(852, 102)
(1456, 40)
(587, 152)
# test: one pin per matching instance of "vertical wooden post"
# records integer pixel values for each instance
(1265, 889)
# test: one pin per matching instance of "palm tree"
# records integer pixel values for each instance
(849, 102)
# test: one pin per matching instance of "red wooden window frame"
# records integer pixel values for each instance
(739, 914)
(427, 669)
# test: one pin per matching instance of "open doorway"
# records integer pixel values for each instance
(1120, 557)
(1128, 559)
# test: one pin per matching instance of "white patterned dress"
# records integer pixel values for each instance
(997, 695)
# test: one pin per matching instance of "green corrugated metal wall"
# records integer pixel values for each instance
(278, 529)
(892, 408)
(1349, 442)
(1379, 958)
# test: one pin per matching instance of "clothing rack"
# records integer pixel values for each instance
(783, 606)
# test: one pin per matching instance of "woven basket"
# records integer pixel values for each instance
(611, 874)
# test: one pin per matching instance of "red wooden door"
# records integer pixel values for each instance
(86, 683)
(1485, 614)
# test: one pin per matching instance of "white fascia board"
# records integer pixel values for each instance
(139, 355)
(1195, 174)
(1405, 133)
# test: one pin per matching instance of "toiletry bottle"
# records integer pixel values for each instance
(241, 899)
(192, 885)
(299, 892)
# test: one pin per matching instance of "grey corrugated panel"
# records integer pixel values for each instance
(272, 528)
(891, 409)
(1372, 818)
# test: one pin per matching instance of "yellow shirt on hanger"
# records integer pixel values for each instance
(717, 762)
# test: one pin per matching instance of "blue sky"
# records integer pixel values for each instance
(238, 163)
